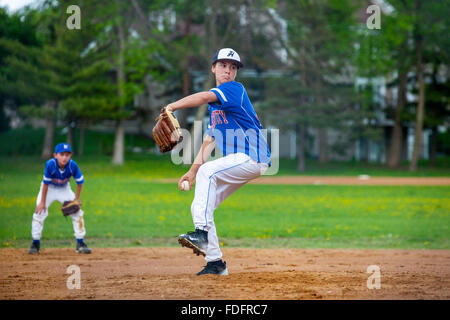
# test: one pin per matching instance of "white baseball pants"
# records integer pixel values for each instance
(215, 181)
(60, 194)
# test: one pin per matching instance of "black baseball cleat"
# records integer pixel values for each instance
(216, 267)
(82, 248)
(35, 247)
(197, 241)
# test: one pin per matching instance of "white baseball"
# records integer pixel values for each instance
(185, 185)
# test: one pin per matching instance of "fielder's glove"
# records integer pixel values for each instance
(167, 131)
(70, 207)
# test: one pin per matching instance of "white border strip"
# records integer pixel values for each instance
(221, 93)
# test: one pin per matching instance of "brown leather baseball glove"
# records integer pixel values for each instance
(167, 131)
(70, 207)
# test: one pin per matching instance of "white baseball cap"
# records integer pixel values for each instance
(227, 54)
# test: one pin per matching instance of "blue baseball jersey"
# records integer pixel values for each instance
(234, 125)
(55, 176)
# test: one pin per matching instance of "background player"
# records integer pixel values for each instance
(56, 187)
(235, 129)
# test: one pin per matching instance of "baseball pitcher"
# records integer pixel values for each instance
(236, 130)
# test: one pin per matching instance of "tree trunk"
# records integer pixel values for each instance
(50, 127)
(434, 130)
(214, 44)
(47, 150)
(301, 136)
(301, 128)
(201, 111)
(366, 156)
(433, 147)
(322, 132)
(211, 27)
(119, 140)
(119, 143)
(211, 47)
(323, 145)
(185, 73)
(420, 107)
(395, 148)
(70, 138)
(81, 143)
(209, 83)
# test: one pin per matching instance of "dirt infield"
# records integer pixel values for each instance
(359, 180)
(169, 273)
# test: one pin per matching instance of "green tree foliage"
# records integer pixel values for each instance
(302, 61)
(317, 90)
(17, 31)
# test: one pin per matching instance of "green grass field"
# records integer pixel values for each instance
(124, 206)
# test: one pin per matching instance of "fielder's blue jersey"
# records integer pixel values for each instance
(55, 176)
(234, 125)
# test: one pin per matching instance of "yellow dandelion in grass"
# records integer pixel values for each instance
(162, 218)
(4, 203)
(221, 244)
(109, 234)
(426, 243)
(99, 211)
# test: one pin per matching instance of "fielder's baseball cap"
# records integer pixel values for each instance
(227, 54)
(63, 147)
